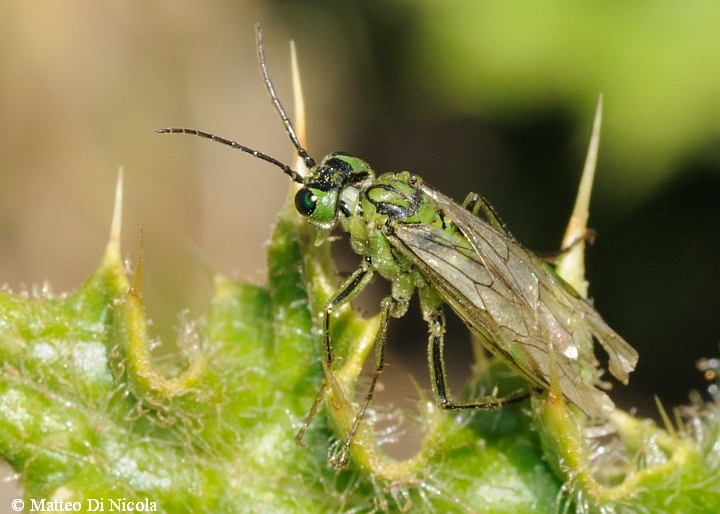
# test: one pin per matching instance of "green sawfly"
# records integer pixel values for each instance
(420, 240)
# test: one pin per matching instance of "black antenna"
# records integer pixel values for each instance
(294, 175)
(302, 153)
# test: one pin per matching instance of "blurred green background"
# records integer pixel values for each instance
(493, 97)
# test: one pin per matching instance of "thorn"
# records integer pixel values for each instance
(113, 245)
(205, 263)
(571, 265)
(299, 101)
(136, 286)
(666, 419)
(555, 392)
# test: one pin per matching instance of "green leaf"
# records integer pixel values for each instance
(86, 413)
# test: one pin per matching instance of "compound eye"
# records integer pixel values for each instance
(305, 202)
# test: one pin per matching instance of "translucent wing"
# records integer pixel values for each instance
(515, 303)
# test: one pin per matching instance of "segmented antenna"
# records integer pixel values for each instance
(302, 153)
(309, 161)
(294, 175)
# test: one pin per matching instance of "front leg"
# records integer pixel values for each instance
(352, 287)
(395, 305)
(386, 306)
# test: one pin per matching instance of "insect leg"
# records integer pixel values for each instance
(553, 258)
(379, 363)
(479, 206)
(352, 287)
(431, 304)
(347, 291)
(311, 414)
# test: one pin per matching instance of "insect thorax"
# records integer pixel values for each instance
(394, 198)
